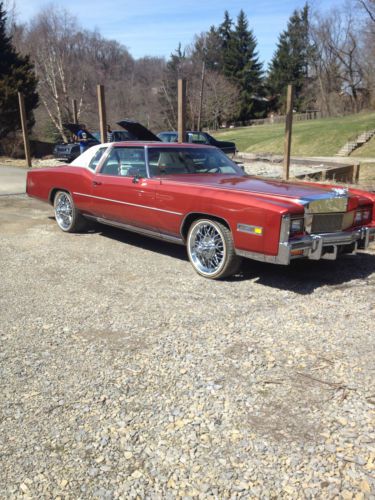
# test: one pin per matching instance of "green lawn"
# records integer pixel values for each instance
(367, 150)
(367, 176)
(322, 137)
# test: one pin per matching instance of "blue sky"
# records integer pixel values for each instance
(155, 28)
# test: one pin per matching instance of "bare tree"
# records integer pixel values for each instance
(338, 61)
(55, 45)
(368, 48)
(70, 62)
(369, 8)
(144, 104)
(325, 69)
(211, 97)
(221, 99)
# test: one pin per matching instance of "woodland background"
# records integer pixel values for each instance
(329, 58)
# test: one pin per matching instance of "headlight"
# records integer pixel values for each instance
(297, 226)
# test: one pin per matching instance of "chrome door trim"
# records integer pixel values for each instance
(127, 203)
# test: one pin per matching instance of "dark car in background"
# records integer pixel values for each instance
(133, 131)
(197, 137)
(69, 151)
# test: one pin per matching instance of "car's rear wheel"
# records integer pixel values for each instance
(211, 250)
(67, 215)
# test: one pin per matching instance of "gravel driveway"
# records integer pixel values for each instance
(125, 374)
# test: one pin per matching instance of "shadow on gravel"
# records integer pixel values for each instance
(305, 276)
(144, 242)
(300, 277)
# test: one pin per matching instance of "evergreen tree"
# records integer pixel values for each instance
(16, 75)
(290, 62)
(242, 65)
(207, 48)
(225, 32)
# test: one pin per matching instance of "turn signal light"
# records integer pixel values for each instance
(297, 252)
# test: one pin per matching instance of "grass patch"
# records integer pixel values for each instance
(322, 137)
(367, 150)
(367, 172)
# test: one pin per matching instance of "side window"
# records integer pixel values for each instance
(125, 162)
(96, 158)
(197, 138)
(169, 162)
(203, 139)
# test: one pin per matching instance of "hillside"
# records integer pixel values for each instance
(367, 150)
(322, 137)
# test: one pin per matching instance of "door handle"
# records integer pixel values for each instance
(96, 183)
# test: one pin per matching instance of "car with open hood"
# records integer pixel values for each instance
(69, 151)
(132, 131)
(196, 137)
(194, 195)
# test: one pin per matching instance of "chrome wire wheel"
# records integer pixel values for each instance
(207, 248)
(64, 210)
(68, 217)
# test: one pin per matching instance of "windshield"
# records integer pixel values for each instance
(168, 136)
(120, 135)
(183, 160)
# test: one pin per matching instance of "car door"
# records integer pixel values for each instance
(122, 192)
(172, 200)
(85, 176)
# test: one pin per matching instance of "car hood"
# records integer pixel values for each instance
(138, 131)
(74, 128)
(297, 192)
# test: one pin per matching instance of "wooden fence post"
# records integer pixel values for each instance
(75, 114)
(181, 110)
(356, 172)
(288, 131)
(201, 95)
(102, 113)
(25, 133)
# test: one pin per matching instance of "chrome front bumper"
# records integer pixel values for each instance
(316, 246)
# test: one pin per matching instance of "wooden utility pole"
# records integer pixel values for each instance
(201, 95)
(288, 131)
(25, 133)
(181, 110)
(102, 113)
(75, 114)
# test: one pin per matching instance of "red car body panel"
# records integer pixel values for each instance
(162, 203)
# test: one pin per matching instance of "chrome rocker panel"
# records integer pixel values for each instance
(135, 229)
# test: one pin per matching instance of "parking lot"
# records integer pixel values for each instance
(123, 373)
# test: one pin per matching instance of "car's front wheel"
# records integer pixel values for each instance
(211, 250)
(67, 215)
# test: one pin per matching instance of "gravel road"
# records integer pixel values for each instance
(123, 374)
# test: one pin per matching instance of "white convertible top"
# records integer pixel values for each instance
(84, 159)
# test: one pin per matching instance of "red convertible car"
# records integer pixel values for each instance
(195, 195)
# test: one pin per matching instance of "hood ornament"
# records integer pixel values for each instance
(339, 192)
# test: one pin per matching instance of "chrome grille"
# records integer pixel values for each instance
(327, 223)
